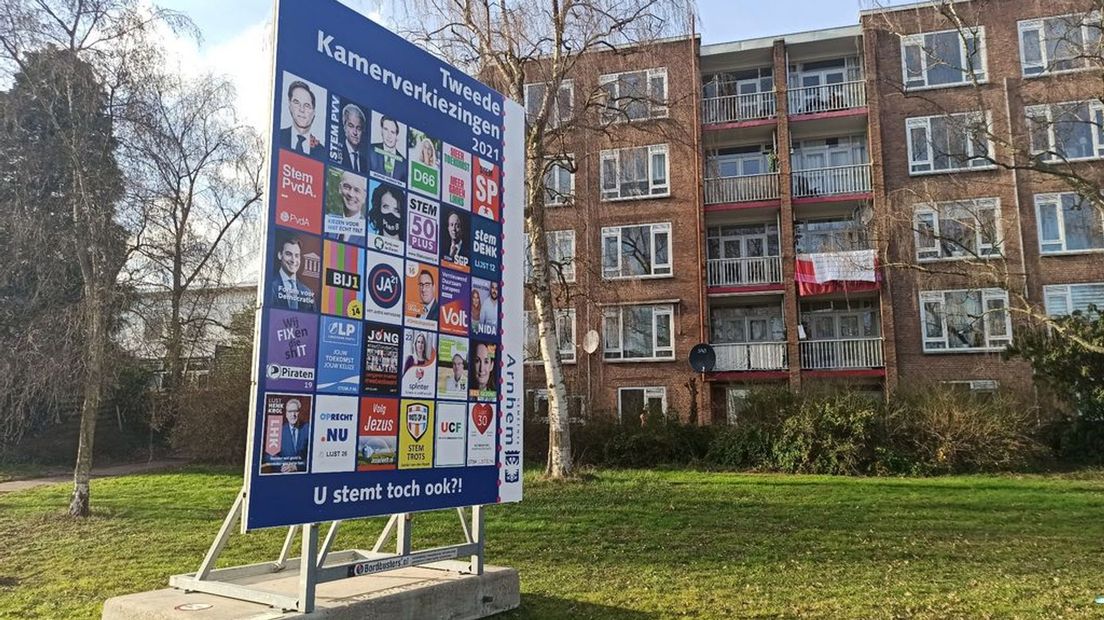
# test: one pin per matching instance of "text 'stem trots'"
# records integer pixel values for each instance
(383, 354)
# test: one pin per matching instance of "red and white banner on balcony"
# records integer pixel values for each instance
(831, 272)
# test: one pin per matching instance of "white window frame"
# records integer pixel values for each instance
(1050, 152)
(975, 386)
(1055, 200)
(613, 111)
(567, 265)
(978, 161)
(649, 392)
(555, 167)
(992, 342)
(1065, 292)
(1038, 26)
(985, 248)
(555, 114)
(656, 229)
(567, 349)
(655, 190)
(613, 348)
(575, 403)
(917, 40)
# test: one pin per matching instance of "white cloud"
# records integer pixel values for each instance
(245, 59)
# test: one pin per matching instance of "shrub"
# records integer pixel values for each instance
(940, 430)
(832, 433)
(211, 422)
(741, 447)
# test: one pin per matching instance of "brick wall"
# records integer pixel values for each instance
(590, 294)
(1023, 272)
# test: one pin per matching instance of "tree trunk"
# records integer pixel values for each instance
(96, 350)
(559, 463)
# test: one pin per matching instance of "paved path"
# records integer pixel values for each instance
(99, 472)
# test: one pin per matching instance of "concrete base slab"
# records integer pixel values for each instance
(415, 593)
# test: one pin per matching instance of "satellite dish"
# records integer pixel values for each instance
(590, 341)
(703, 358)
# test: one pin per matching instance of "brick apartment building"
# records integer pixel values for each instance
(896, 240)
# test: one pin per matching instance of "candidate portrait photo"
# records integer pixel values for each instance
(302, 123)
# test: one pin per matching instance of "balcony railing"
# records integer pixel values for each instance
(852, 179)
(750, 356)
(851, 353)
(744, 271)
(735, 108)
(827, 98)
(751, 188)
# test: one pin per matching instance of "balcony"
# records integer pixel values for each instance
(752, 188)
(842, 354)
(750, 356)
(738, 108)
(827, 98)
(835, 181)
(744, 271)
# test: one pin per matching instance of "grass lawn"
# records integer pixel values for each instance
(634, 544)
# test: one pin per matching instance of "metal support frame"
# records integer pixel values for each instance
(325, 565)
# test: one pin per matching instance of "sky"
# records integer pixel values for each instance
(235, 35)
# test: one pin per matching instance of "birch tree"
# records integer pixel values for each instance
(542, 43)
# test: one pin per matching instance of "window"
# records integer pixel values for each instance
(944, 58)
(825, 72)
(839, 320)
(559, 183)
(1061, 43)
(742, 324)
(1065, 299)
(740, 161)
(635, 401)
(738, 95)
(963, 229)
(565, 336)
(829, 153)
(823, 85)
(1066, 131)
(635, 172)
(559, 111)
(561, 256)
(946, 143)
(635, 95)
(636, 251)
(1068, 223)
(831, 235)
(965, 320)
(536, 407)
(974, 387)
(742, 241)
(639, 332)
(743, 82)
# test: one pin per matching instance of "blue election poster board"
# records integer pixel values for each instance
(395, 198)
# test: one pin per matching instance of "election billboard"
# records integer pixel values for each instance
(388, 376)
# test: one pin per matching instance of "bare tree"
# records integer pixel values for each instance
(195, 172)
(512, 45)
(997, 128)
(106, 51)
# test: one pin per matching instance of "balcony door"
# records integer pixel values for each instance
(842, 332)
(842, 325)
(739, 164)
(832, 153)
